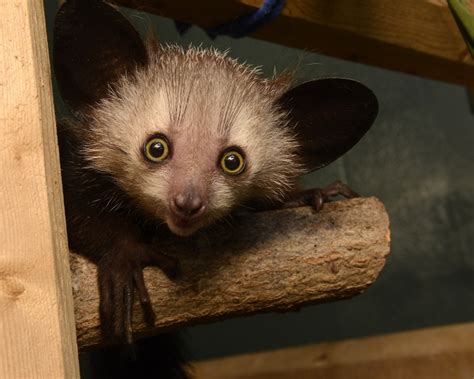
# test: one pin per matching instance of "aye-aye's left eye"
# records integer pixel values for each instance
(232, 162)
(157, 148)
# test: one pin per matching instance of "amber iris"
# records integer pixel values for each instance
(157, 149)
(232, 162)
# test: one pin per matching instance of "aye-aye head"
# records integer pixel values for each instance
(191, 134)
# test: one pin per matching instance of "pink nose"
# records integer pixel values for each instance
(188, 204)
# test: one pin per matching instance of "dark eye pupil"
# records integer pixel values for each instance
(156, 149)
(232, 162)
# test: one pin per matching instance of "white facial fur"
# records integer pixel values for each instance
(203, 102)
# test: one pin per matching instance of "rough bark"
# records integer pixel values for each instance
(268, 261)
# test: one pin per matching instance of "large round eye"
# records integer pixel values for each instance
(232, 162)
(157, 149)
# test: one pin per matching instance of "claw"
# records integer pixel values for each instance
(339, 188)
(128, 303)
(321, 196)
(318, 200)
(316, 197)
(144, 297)
(106, 304)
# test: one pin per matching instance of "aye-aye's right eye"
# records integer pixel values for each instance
(157, 148)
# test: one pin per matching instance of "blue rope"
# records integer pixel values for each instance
(244, 25)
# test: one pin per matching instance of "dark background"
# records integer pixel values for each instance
(418, 159)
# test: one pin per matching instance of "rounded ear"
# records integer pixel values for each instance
(94, 45)
(330, 117)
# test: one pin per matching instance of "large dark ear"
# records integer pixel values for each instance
(331, 116)
(94, 45)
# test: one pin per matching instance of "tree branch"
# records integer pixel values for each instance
(268, 261)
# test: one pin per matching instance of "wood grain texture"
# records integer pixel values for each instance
(37, 334)
(267, 261)
(436, 353)
(415, 36)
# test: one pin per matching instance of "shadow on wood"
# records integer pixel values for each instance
(268, 261)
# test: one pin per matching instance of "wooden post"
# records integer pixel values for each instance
(37, 333)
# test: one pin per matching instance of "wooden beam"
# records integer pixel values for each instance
(443, 352)
(266, 261)
(37, 334)
(415, 36)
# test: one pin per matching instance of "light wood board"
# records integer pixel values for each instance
(37, 334)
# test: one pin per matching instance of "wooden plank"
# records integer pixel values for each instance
(415, 36)
(37, 333)
(436, 353)
(277, 260)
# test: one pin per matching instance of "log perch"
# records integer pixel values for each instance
(268, 261)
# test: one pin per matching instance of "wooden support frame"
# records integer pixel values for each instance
(414, 36)
(37, 333)
(443, 352)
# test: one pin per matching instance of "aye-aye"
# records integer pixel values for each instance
(170, 138)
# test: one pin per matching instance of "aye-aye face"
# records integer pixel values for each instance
(192, 135)
(189, 135)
